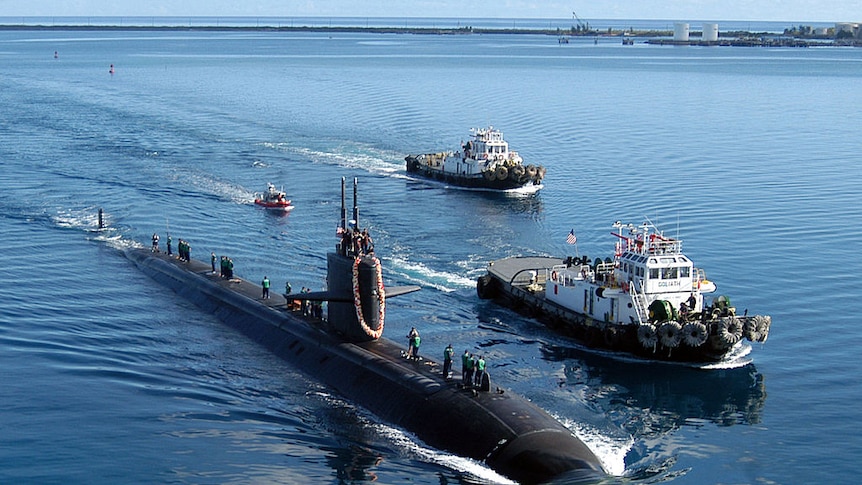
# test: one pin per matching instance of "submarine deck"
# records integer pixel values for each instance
(428, 369)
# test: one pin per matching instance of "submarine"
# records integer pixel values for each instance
(346, 351)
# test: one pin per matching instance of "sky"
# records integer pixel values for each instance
(772, 10)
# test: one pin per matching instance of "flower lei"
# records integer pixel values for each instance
(381, 298)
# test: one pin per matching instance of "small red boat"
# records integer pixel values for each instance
(273, 199)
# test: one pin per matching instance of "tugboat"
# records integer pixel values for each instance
(648, 300)
(273, 199)
(484, 162)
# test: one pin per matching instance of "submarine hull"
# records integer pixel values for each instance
(510, 434)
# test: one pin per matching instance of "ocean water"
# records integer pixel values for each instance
(751, 156)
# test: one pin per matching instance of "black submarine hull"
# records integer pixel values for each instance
(510, 434)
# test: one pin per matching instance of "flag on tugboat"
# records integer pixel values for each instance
(571, 238)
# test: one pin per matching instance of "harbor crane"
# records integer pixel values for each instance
(581, 25)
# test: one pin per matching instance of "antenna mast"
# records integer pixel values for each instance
(355, 206)
(343, 207)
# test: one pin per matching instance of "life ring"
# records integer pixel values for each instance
(729, 330)
(694, 334)
(381, 298)
(553, 276)
(670, 334)
(502, 173)
(647, 336)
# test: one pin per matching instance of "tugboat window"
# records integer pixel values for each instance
(684, 272)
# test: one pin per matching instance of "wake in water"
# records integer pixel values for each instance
(350, 155)
(87, 220)
(367, 429)
(421, 274)
(610, 450)
(411, 446)
(219, 188)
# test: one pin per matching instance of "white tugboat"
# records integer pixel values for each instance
(648, 300)
(484, 162)
(273, 199)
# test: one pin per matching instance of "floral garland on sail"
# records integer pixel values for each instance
(381, 298)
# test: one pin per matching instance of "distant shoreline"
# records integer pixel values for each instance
(341, 29)
(655, 37)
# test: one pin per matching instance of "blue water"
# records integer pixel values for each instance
(751, 156)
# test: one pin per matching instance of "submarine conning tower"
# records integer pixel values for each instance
(354, 277)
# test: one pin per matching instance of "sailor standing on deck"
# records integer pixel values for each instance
(169, 245)
(213, 260)
(465, 365)
(480, 370)
(416, 341)
(155, 243)
(367, 243)
(448, 352)
(412, 343)
(265, 285)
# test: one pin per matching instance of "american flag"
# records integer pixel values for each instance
(571, 238)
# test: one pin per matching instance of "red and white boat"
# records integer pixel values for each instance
(273, 199)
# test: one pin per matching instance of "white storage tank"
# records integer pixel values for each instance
(710, 32)
(680, 32)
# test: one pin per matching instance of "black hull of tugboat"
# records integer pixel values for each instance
(510, 434)
(471, 182)
(596, 334)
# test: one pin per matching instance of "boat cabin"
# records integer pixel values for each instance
(487, 144)
(655, 273)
